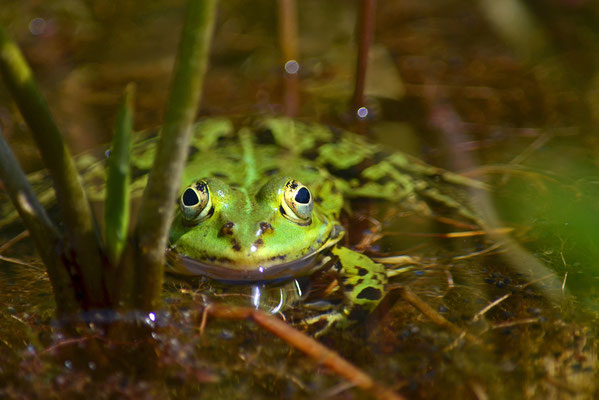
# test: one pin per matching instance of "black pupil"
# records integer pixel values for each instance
(302, 196)
(190, 198)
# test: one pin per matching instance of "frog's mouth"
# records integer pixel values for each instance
(305, 265)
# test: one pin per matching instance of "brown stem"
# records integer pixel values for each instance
(409, 296)
(365, 29)
(289, 47)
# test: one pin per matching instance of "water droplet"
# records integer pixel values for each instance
(256, 296)
(37, 26)
(362, 112)
(152, 316)
(91, 365)
(226, 334)
(291, 67)
(68, 364)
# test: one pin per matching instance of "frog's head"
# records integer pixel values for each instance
(247, 232)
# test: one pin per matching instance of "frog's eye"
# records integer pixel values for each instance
(297, 202)
(195, 203)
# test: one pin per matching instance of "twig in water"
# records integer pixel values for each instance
(489, 306)
(409, 296)
(309, 346)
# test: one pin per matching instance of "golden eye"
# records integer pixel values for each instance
(195, 203)
(297, 202)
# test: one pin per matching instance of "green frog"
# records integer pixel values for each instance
(263, 204)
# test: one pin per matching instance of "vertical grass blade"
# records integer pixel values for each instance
(42, 230)
(157, 207)
(118, 178)
(80, 230)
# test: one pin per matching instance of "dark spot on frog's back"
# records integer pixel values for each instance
(370, 293)
(235, 245)
(379, 156)
(220, 175)
(348, 173)
(383, 180)
(138, 172)
(192, 151)
(264, 136)
(271, 171)
(259, 243)
(310, 154)
(227, 229)
(361, 271)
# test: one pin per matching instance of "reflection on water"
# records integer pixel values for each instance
(530, 122)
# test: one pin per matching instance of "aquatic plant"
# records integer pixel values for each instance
(84, 269)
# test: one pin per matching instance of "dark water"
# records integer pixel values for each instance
(503, 93)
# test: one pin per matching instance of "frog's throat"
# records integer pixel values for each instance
(305, 265)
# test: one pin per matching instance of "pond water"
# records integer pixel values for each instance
(507, 94)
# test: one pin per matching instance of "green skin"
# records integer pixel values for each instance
(248, 228)
(249, 224)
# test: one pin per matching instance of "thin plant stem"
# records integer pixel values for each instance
(365, 30)
(118, 178)
(157, 207)
(289, 47)
(43, 232)
(81, 235)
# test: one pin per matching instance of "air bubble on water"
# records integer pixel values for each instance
(291, 67)
(362, 112)
(37, 26)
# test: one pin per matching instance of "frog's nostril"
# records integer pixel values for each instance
(265, 227)
(227, 229)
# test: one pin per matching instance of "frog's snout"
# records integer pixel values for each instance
(244, 242)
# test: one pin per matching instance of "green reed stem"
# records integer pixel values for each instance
(118, 178)
(80, 230)
(42, 230)
(157, 207)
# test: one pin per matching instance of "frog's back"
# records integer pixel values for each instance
(248, 159)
